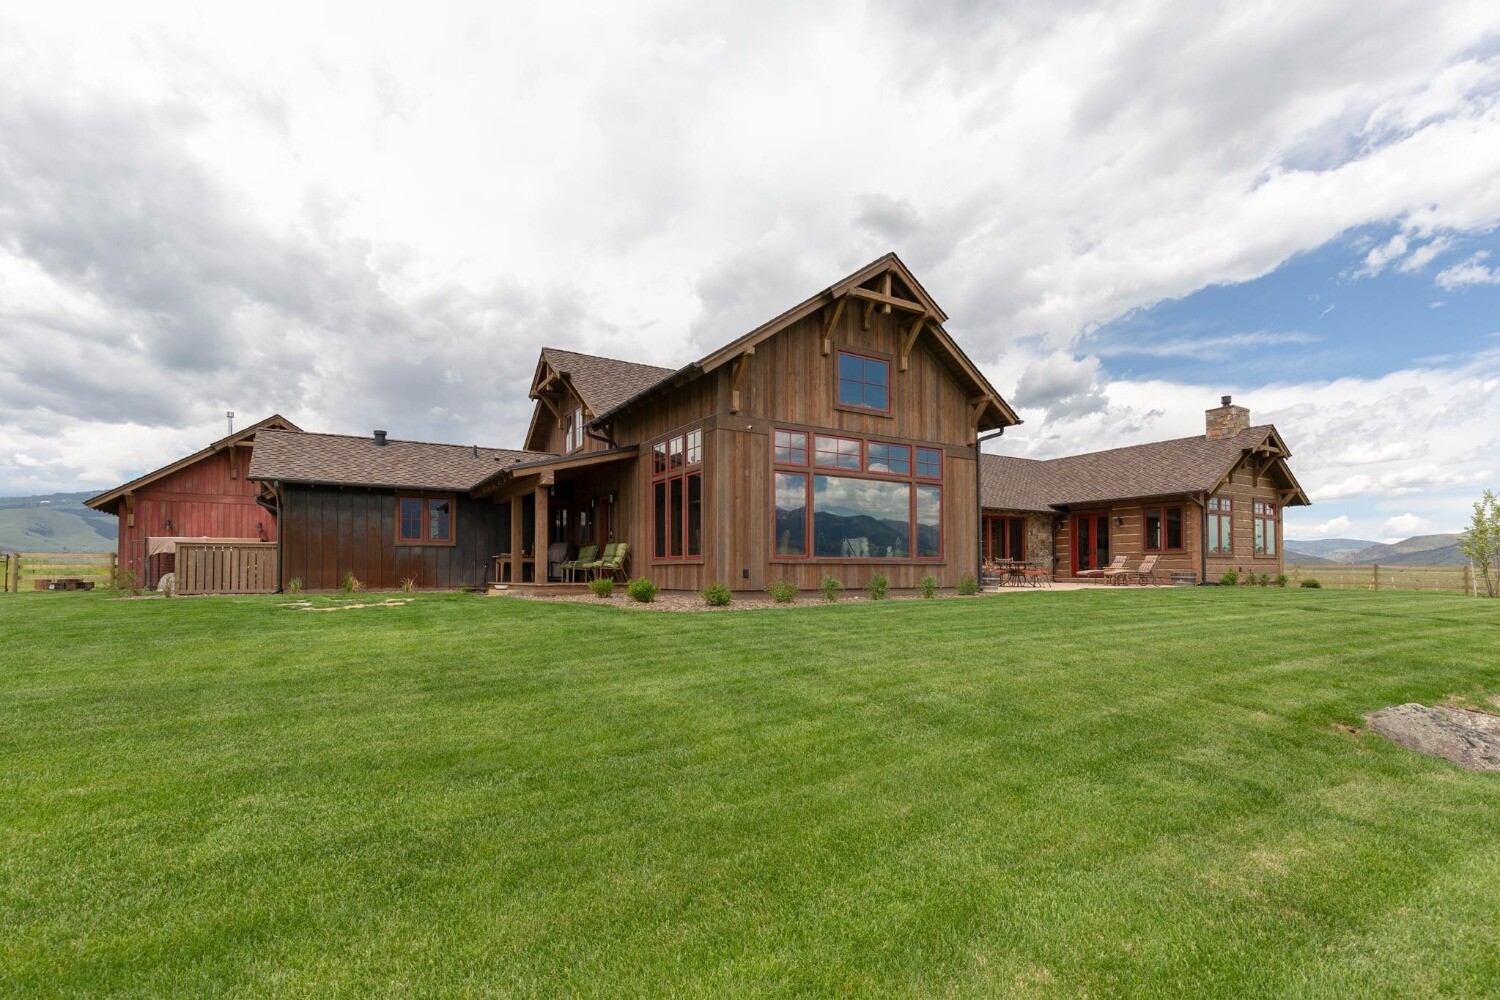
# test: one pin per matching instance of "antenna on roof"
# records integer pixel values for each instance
(229, 416)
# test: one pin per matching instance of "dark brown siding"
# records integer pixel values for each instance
(328, 531)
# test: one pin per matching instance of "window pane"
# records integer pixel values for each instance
(1270, 538)
(791, 514)
(411, 519)
(930, 521)
(893, 459)
(674, 543)
(929, 463)
(659, 457)
(861, 518)
(1017, 548)
(694, 447)
(659, 520)
(791, 447)
(1260, 537)
(863, 382)
(1174, 527)
(1213, 532)
(1153, 529)
(440, 512)
(674, 453)
(836, 453)
(695, 514)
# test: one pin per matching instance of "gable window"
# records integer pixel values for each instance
(1265, 528)
(1163, 528)
(1220, 526)
(423, 520)
(573, 437)
(859, 503)
(677, 497)
(864, 382)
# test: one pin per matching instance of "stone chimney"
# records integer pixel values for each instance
(1226, 420)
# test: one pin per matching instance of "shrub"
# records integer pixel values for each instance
(351, 583)
(641, 589)
(294, 585)
(830, 588)
(124, 580)
(782, 592)
(967, 585)
(717, 595)
(408, 584)
(1264, 580)
(1311, 584)
(1230, 578)
(1281, 580)
(929, 586)
(603, 586)
(878, 587)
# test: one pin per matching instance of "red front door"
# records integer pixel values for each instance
(1090, 542)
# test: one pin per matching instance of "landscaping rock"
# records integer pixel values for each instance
(1469, 739)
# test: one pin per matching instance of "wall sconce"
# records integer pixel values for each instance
(1119, 522)
(613, 496)
(169, 524)
(593, 502)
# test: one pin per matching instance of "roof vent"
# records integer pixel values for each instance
(380, 439)
(476, 451)
(1225, 400)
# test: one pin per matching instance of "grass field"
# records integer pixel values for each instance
(1106, 793)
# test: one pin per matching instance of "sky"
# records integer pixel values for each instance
(372, 215)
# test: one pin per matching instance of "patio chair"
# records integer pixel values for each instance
(1114, 567)
(613, 564)
(1147, 571)
(1118, 573)
(571, 567)
(595, 565)
(1038, 573)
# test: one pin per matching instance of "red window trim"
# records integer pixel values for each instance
(911, 460)
(1224, 513)
(427, 498)
(812, 452)
(683, 472)
(1273, 520)
(942, 461)
(1162, 512)
(837, 378)
(807, 448)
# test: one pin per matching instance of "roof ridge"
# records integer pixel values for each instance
(1149, 444)
(605, 357)
(425, 444)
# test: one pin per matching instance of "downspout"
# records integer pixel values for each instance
(1202, 502)
(280, 530)
(979, 441)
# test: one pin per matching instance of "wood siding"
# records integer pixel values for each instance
(209, 498)
(328, 531)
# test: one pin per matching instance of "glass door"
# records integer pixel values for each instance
(1090, 542)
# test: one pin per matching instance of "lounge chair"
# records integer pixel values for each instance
(1114, 567)
(613, 564)
(571, 567)
(595, 565)
(1147, 571)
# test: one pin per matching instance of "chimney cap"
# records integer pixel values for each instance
(380, 439)
(1225, 400)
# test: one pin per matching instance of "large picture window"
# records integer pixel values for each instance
(1163, 528)
(864, 382)
(1220, 526)
(1265, 528)
(677, 497)
(854, 504)
(424, 520)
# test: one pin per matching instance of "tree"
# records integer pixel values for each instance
(1482, 542)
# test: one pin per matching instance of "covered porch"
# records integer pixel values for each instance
(552, 511)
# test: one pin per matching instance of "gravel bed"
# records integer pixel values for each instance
(681, 601)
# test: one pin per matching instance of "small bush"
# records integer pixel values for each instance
(1281, 580)
(294, 585)
(1264, 580)
(1230, 578)
(641, 589)
(603, 586)
(830, 588)
(929, 586)
(717, 595)
(1311, 584)
(351, 583)
(124, 580)
(967, 585)
(878, 587)
(408, 584)
(782, 592)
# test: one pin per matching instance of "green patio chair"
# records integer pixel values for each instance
(594, 565)
(571, 567)
(613, 564)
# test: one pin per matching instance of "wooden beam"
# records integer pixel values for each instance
(831, 323)
(905, 305)
(741, 365)
(865, 323)
(130, 510)
(910, 340)
(885, 288)
(234, 465)
(556, 411)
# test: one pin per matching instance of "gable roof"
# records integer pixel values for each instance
(602, 383)
(1197, 464)
(998, 412)
(110, 497)
(346, 460)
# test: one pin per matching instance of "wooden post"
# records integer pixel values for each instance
(1376, 568)
(543, 536)
(113, 567)
(15, 572)
(515, 539)
(1469, 581)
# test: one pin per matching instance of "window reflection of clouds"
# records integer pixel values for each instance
(847, 497)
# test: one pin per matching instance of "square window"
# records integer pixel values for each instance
(929, 463)
(791, 448)
(864, 382)
(890, 459)
(836, 453)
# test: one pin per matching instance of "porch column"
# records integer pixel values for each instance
(543, 535)
(515, 538)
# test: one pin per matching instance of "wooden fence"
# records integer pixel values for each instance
(1432, 579)
(226, 567)
(21, 570)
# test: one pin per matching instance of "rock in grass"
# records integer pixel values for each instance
(1469, 739)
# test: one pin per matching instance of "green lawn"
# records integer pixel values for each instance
(1051, 794)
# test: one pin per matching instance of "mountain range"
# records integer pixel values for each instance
(54, 522)
(1419, 550)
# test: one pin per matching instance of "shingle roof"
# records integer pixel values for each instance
(1161, 468)
(603, 383)
(356, 461)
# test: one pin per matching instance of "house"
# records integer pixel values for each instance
(1203, 505)
(208, 494)
(839, 438)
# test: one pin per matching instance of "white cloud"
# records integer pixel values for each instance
(1337, 527)
(1404, 526)
(1470, 272)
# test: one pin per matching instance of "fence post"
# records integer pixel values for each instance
(1376, 568)
(113, 569)
(15, 572)
(1468, 579)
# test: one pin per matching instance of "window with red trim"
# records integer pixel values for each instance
(1163, 528)
(930, 463)
(424, 520)
(677, 497)
(791, 447)
(1265, 528)
(837, 453)
(1220, 526)
(864, 382)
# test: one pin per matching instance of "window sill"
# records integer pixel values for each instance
(894, 560)
(669, 561)
(846, 408)
(403, 544)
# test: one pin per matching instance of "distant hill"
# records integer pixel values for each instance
(1306, 559)
(1419, 550)
(1333, 549)
(54, 522)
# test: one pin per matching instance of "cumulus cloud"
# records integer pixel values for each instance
(1470, 272)
(1404, 526)
(1334, 527)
